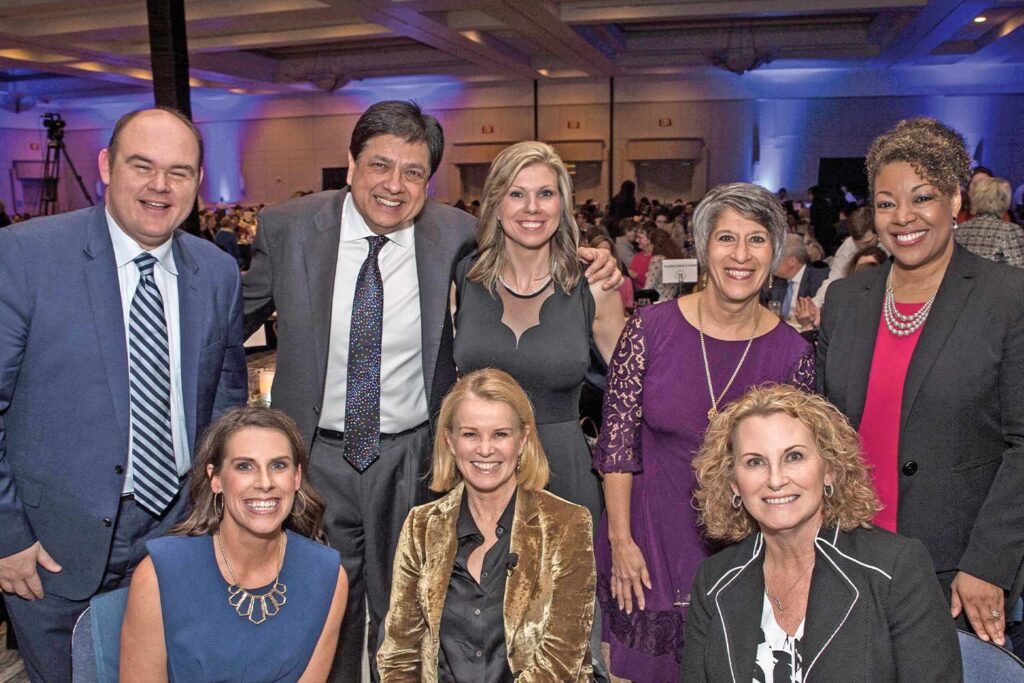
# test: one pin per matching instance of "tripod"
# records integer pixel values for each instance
(55, 149)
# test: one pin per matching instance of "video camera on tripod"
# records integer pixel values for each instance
(54, 125)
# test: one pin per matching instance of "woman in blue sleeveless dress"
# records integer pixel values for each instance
(245, 591)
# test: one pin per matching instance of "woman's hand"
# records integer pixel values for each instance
(629, 575)
(979, 600)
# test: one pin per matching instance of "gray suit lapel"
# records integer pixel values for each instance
(433, 272)
(953, 294)
(191, 325)
(105, 302)
(320, 252)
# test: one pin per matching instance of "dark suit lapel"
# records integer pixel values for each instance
(190, 328)
(832, 597)
(320, 250)
(434, 287)
(953, 294)
(526, 543)
(105, 302)
(740, 600)
(867, 313)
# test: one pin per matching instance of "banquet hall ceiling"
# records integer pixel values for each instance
(274, 46)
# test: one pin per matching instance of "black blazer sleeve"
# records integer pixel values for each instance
(917, 615)
(698, 621)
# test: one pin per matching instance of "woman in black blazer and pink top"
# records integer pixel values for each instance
(811, 592)
(925, 355)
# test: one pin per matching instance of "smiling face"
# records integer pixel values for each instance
(739, 256)
(644, 242)
(486, 439)
(531, 209)
(913, 219)
(389, 182)
(259, 479)
(779, 474)
(153, 181)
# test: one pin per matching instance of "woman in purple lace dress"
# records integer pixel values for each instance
(677, 362)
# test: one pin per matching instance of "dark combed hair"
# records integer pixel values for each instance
(127, 118)
(307, 519)
(937, 152)
(404, 120)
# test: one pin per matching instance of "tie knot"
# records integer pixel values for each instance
(377, 243)
(145, 261)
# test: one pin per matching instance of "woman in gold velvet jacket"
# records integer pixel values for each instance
(532, 564)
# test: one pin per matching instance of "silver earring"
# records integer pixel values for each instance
(829, 490)
(219, 514)
(736, 501)
(955, 226)
(771, 280)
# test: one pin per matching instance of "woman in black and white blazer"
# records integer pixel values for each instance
(812, 592)
(925, 355)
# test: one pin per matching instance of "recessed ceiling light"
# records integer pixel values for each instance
(980, 20)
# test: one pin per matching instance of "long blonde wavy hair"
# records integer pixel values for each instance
(490, 240)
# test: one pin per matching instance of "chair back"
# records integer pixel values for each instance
(986, 662)
(96, 640)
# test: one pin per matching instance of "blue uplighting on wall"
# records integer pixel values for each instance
(223, 182)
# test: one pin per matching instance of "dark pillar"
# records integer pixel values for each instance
(611, 138)
(536, 110)
(168, 49)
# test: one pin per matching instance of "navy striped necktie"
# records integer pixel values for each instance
(362, 387)
(154, 473)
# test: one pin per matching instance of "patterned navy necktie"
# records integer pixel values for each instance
(362, 391)
(154, 473)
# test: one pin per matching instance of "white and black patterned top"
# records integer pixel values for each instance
(778, 653)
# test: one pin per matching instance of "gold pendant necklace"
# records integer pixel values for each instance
(704, 354)
(255, 608)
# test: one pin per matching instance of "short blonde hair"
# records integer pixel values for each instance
(489, 384)
(490, 240)
(853, 502)
(990, 196)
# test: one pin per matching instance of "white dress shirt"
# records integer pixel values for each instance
(165, 274)
(403, 395)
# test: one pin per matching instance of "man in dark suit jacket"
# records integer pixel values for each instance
(76, 506)
(307, 259)
(794, 272)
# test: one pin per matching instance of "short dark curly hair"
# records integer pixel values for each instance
(937, 152)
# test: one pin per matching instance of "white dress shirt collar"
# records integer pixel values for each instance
(354, 227)
(126, 249)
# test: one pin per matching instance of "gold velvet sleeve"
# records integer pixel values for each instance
(400, 657)
(564, 652)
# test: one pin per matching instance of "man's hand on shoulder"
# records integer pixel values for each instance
(603, 267)
(18, 573)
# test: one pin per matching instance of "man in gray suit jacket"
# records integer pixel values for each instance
(308, 261)
(96, 436)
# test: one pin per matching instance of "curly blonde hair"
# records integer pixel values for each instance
(853, 502)
(937, 152)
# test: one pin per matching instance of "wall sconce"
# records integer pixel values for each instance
(573, 125)
(665, 123)
(486, 130)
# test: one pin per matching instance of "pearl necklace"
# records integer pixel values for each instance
(524, 295)
(704, 355)
(900, 324)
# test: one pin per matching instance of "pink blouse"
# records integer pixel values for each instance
(880, 425)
